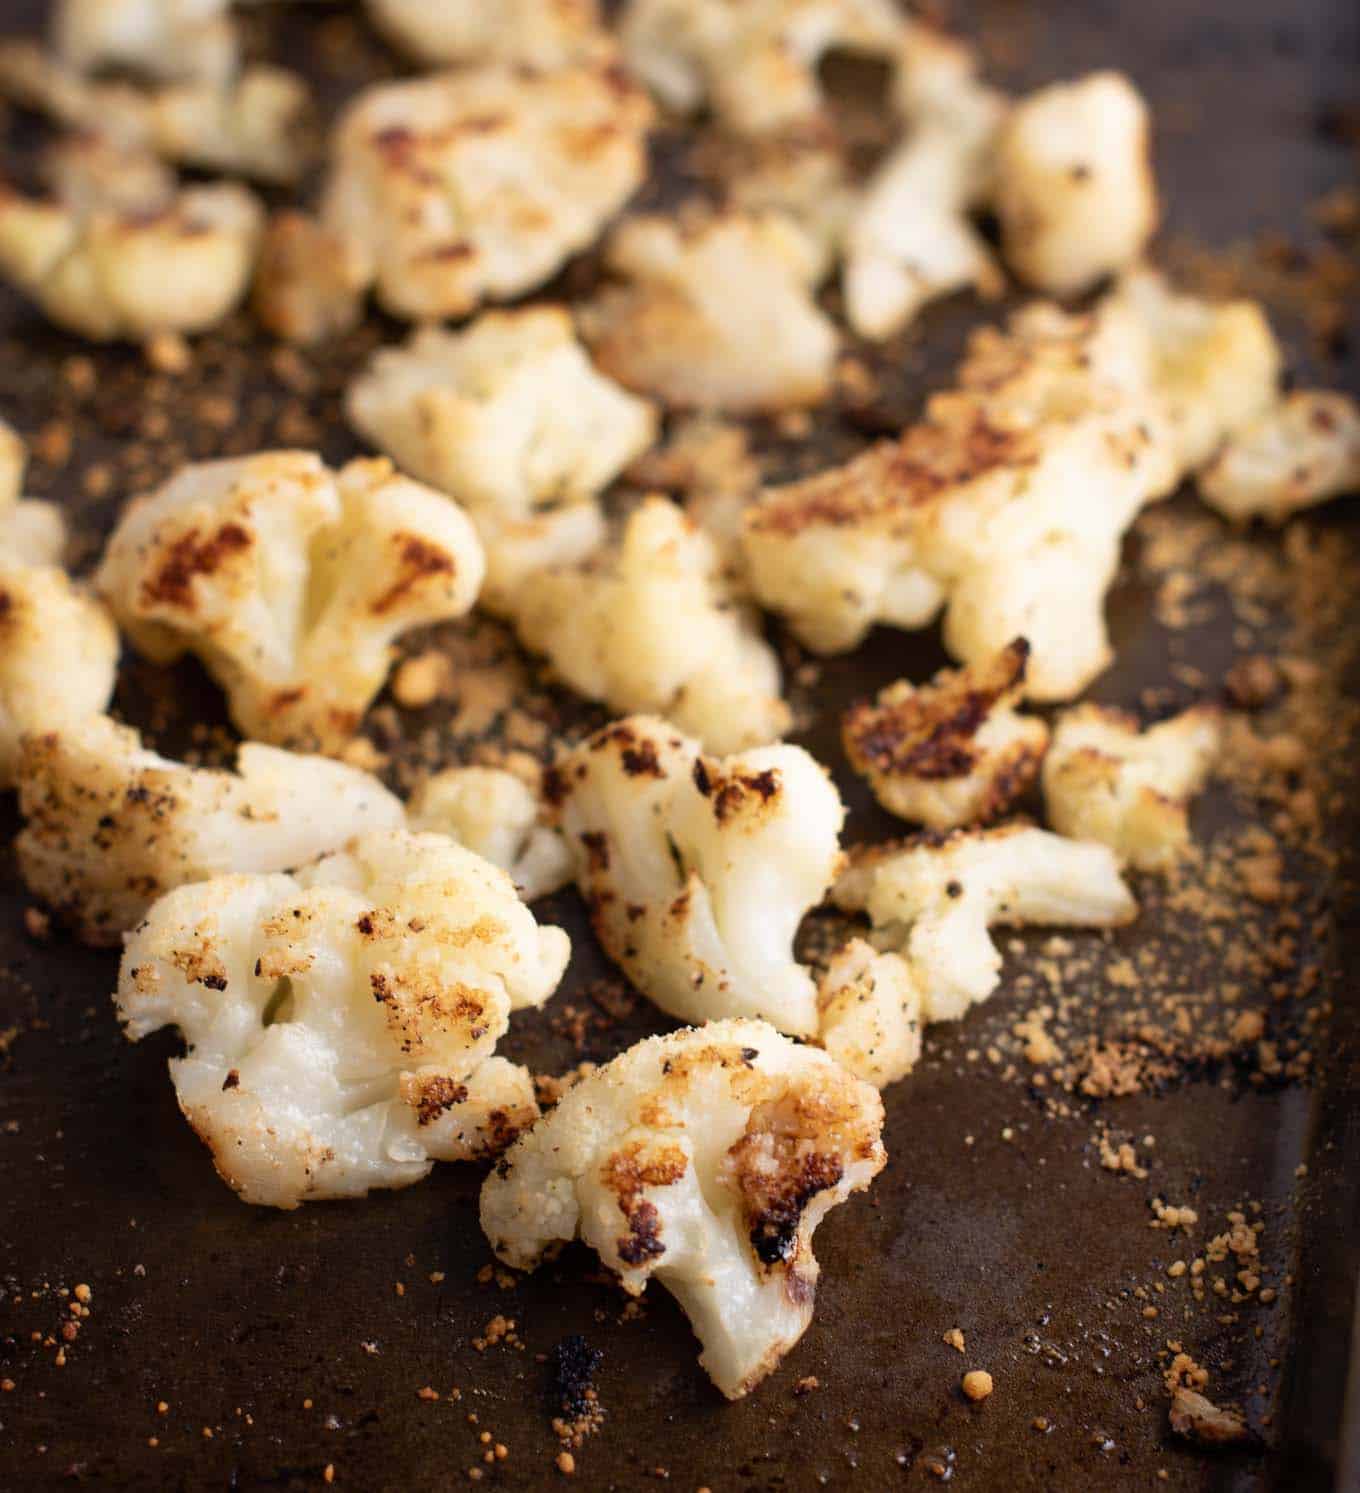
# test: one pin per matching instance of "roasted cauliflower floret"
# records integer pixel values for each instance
(497, 816)
(309, 282)
(645, 627)
(1106, 780)
(542, 33)
(1300, 452)
(837, 552)
(478, 185)
(754, 62)
(869, 1011)
(951, 752)
(1074, 186)
(507, 415)
(705, 1158)
(934, 900)
(340, 1023)
(1216, 365)
(109, 273)
(58, 655)
(911, 240)
(258, 123)
(109, 825)
(290, 582)
(698, 871)
(716, 313)
(984, 502)
(166, 39)
(31, 533)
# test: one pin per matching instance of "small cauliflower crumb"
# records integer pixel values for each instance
(954, 1338)
(977, 1385)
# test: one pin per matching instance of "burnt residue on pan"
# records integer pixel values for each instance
(1136, 1166)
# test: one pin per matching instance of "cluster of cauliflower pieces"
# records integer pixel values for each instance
(341, 964)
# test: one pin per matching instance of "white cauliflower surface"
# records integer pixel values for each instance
(110, 825)
(309, 281)
(31, 532)
(507, 415)
(290, 581)
(645, 626)
(1074, 185)
(954, 751)
(499, 817)
(870, 1012)
(475, 185)
(698, 871)
(58, 655)
(341, 1023)
(715, 312)
(258, 123)
(754, 62)
(542, 33)
(1108, 781)
(1300, 452)
(911, 239)
(165, 39)
(704, 1159)
(110, 271)
(985, 504)
(1216, 365)
(933, 901)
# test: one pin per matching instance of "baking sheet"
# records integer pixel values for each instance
(287, 1338)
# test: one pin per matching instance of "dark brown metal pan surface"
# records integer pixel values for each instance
(286, 1343)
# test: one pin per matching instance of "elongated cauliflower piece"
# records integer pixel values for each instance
(935, 898)
(290, 581)
(507, 415)
(478, 185)
(985, 503)
(110, 274)
(1074, 185)
(1216, 366)
(698, 871)
(706, 1159)
(951, 752)
(870, 1013)
(31, 533)
(837, 552)
(520, 550)
(109, 825)
(1300, 452)
(755, 61)
(497, 816)
(1107, 781)
(717, 313)
(341, 1022)
(259, 122)
(541, 33)
(58, 655)
(645, 627)
(166, 39)
(911, 240)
